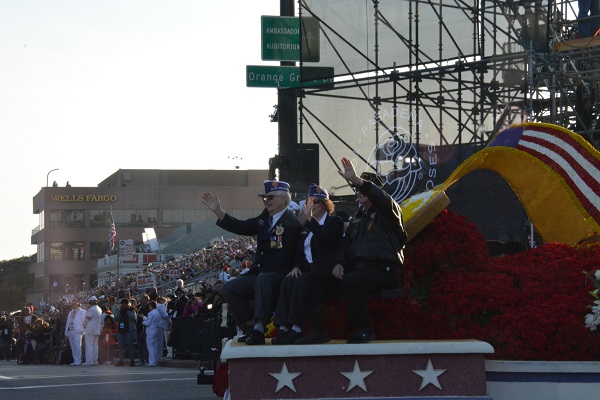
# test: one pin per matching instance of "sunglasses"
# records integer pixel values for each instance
(318, 201)
(269, 197)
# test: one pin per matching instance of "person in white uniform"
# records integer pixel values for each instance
(161, 308)
(74, 330)
(93, 327)
(152, 323)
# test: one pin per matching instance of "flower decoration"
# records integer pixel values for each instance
(592, 320)
(528, 306)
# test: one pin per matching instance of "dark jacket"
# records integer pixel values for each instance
(376, 235)
(275, 248)
(179, 306)
(324, 243)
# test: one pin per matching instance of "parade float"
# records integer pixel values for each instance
(471, 326)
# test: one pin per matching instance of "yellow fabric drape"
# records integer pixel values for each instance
(551, 205)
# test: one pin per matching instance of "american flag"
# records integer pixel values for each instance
(554, 172)
(113, 233)
(563, 154)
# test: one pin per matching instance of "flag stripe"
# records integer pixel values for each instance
(112, 233)
(568, 158)
(588, 172)
(576, 149)
(571, 152)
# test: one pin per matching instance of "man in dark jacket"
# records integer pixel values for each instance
(372, 249)
(278, 232)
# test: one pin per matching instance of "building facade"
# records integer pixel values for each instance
(74, 222)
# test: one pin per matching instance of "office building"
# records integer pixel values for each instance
(74, 222)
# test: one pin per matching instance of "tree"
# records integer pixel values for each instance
(14, 281)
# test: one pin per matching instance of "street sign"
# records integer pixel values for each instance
(126, 253)
(287, 76)
(281, 39)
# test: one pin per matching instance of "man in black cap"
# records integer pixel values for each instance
(278, 233)
(372, 249)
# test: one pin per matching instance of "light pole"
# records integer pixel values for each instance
(48, 174)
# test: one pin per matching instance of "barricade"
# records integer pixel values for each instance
(196, 338)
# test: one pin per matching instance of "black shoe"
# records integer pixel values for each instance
(362, 336)
(242, 339)
(280, 336)
(314, 337)
(255, 337)
(246, 331)
(291, 337)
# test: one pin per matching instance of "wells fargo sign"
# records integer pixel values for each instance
(84, 198)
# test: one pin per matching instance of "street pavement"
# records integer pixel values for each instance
(103, 382)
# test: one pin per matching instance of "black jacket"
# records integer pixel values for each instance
(375, 235)
(324, 243)
(275, 248)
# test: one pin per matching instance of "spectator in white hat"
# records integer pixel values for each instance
(74, 330)
(93, 328)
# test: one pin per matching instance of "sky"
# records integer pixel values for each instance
(89, 87)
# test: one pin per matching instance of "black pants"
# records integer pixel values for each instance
(359, 283)
(251, 296)
(292, 303)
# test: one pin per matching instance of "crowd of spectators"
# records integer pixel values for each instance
(205, 264)
(192, 281)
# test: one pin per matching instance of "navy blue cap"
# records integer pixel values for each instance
(271, 186)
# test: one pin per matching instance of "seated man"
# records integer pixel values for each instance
(41, 335)
(278, 232)
(372, 249)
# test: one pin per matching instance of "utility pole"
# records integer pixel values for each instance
(288, 111)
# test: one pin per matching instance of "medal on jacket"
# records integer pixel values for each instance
(277, 244)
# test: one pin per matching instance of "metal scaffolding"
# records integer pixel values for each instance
(429, 74)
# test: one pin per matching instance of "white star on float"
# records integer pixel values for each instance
(356, 377)
(429, 375)
(285, 378)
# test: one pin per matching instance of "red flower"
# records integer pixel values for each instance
(529, 306)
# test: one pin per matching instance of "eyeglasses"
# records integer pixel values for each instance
(269, 197)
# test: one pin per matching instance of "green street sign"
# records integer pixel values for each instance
(281, 39)
(287, 76)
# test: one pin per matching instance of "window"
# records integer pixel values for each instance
(99, 218)
(67, 251)
(67, 219)
(99, 249)
(129, 217)
(40, 252)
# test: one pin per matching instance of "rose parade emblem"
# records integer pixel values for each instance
(399, 164)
